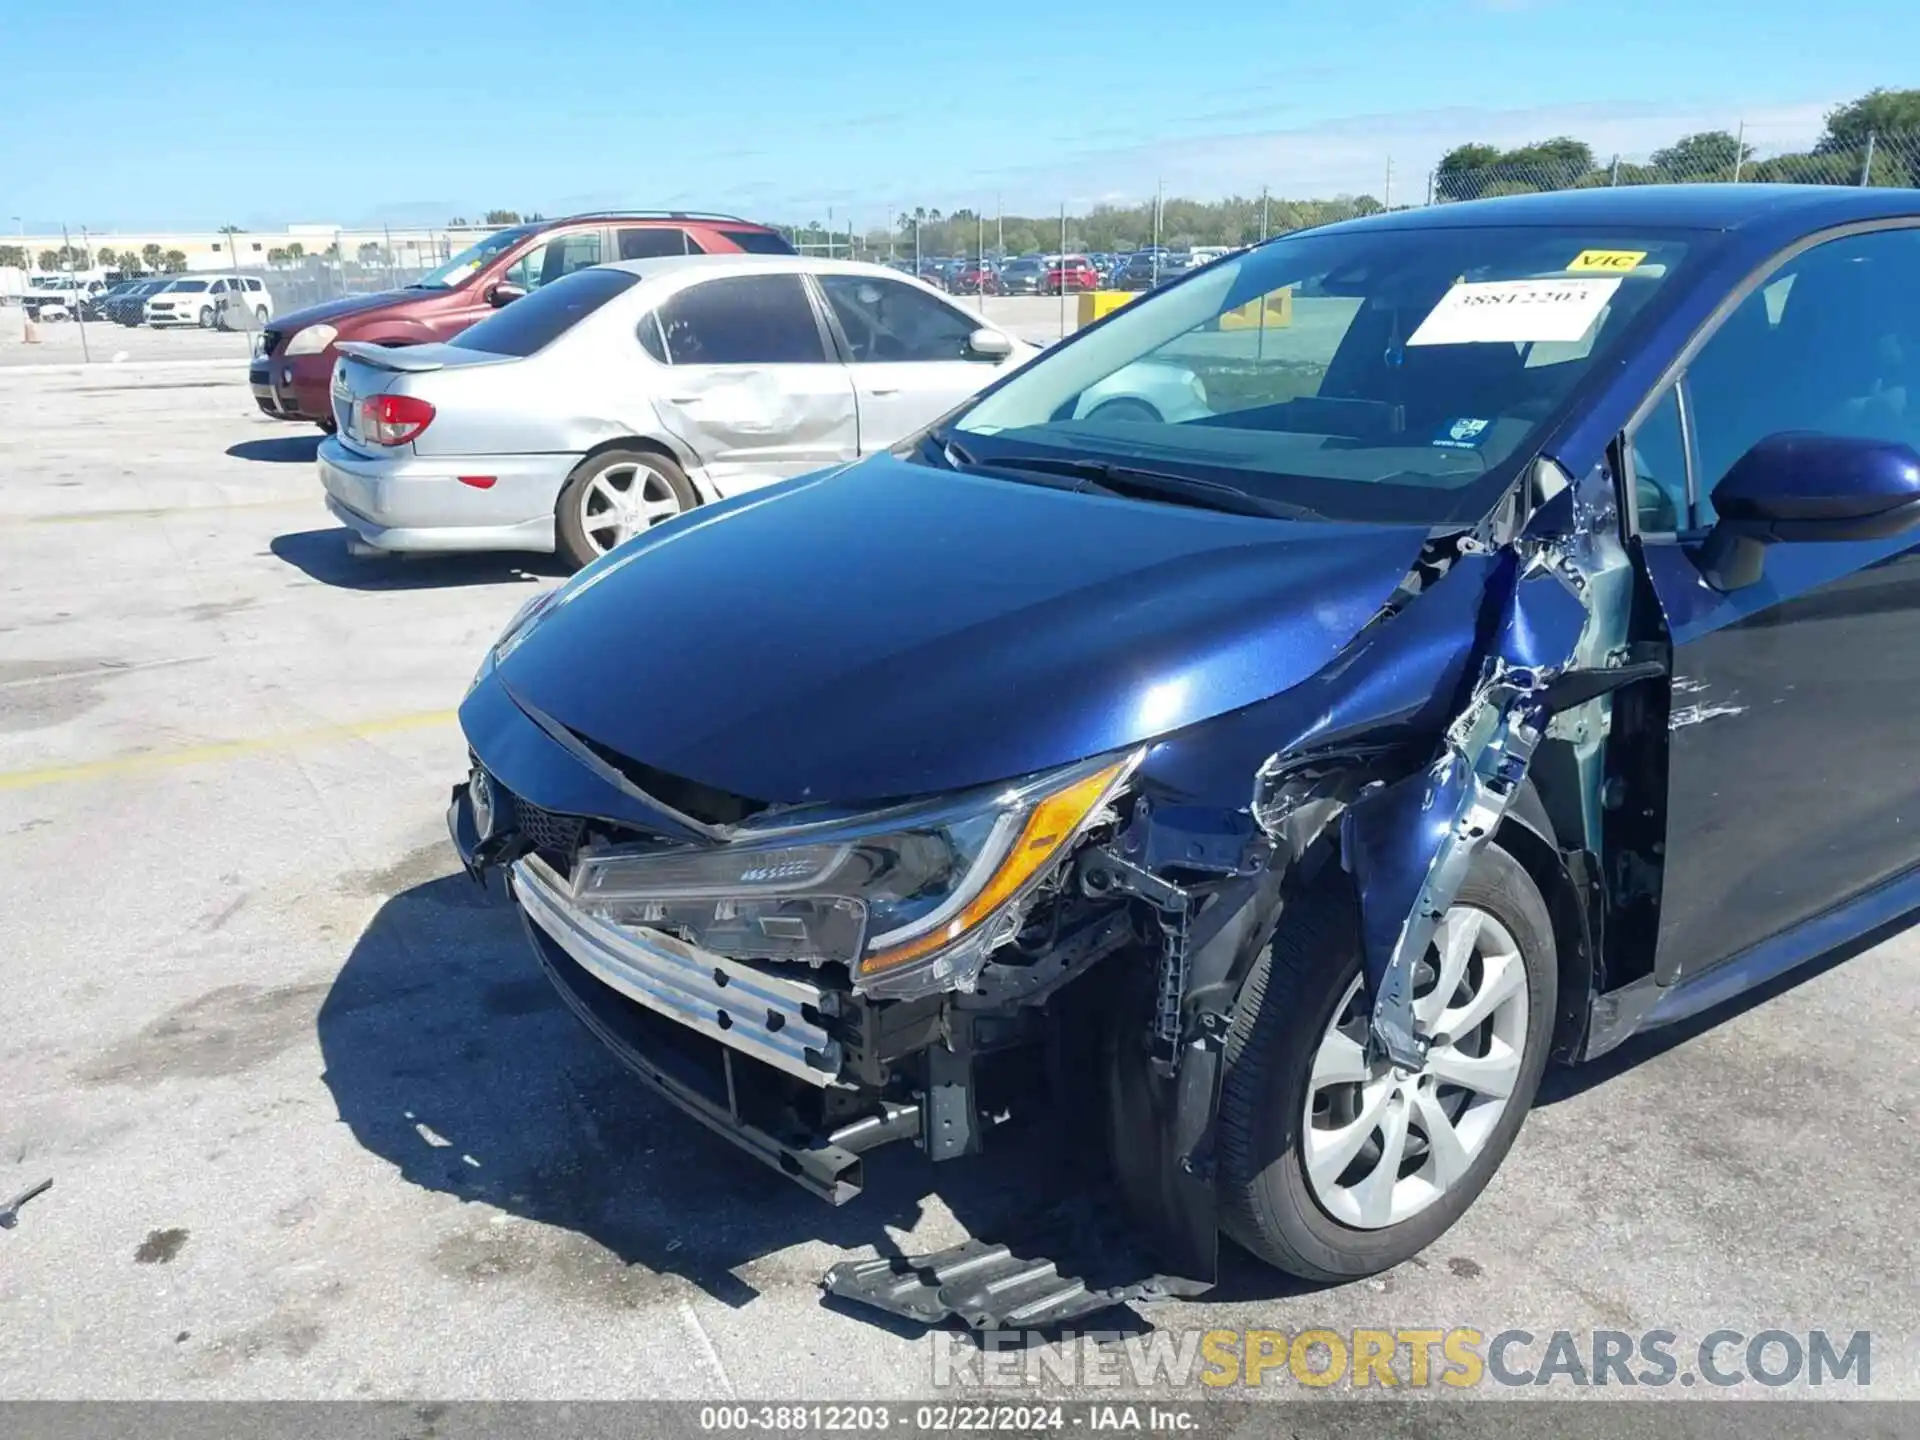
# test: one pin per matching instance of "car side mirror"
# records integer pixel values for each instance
(505, 293)
(985, 344)
(1800, 485)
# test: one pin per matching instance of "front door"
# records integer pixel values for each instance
(908, 353)
(750, 386)
(1793, 778)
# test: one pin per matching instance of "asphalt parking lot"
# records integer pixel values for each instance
(317, 1128)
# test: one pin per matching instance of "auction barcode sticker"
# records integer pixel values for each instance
(1491, 312)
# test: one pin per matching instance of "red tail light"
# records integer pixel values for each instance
(393, 419)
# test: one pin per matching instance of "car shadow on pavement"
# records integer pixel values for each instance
(449, 1055)
(1564, 1082)
(279, 449)
(323, 556)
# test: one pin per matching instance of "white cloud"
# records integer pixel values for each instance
(1350, 155)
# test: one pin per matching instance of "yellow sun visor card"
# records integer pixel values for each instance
(1607, 262)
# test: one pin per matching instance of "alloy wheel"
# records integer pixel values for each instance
(1380, 1143)
(623, 500)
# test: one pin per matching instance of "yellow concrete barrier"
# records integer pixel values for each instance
(1279, 308)
(1095, 303)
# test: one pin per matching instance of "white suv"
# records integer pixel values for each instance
(210, 300)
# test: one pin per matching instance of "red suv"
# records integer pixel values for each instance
(1069, 274)
(293, 367)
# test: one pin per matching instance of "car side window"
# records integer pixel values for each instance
(885, 320)
(1830, 343)
(1659, 454)
(562, 255)
(219, 287)
(743, 320)
(649, 242)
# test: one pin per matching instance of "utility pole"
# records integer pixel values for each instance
(1159, 196)
(1386, 200)
(1866, 165)
(1739, 149)
(66, 243)
(980, 259)
(1263, 212)
(1000, 224)
(1063, 269)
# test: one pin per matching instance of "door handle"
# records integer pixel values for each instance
(883, 390)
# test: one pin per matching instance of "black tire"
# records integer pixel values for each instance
(206, 317)
(1266, 1201)
(569, 534)
(328, 426)
(260, 314)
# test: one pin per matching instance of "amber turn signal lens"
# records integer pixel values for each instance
(1053, 822)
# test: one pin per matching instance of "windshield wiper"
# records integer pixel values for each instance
(1117, 479)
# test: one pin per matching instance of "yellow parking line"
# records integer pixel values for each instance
(115, 765)
(91, 517)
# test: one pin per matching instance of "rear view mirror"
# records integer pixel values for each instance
(985, 344)
(1803, 485)
(505, 293)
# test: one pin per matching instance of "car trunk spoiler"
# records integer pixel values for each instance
(404, 359)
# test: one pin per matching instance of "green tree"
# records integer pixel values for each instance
(296, 251)
(106, 257)
(232, 230)
(503, 217)
(13, 255)
(49, 259)
(457, 222)
(1878, 112)
(174, 262)
(276, 256)
(1462, 170)
(150, 256)
(1707, 155)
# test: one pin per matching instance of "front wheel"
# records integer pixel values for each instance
(613, 496)
(260, 313)
(1334, 1164)
(206, 317)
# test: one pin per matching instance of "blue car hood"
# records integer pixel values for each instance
(892, 630)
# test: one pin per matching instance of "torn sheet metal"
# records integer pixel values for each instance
(1410, 844)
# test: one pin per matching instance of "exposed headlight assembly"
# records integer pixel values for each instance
(911, 900)
(311, 340)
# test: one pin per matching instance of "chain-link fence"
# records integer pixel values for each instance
(975, 251)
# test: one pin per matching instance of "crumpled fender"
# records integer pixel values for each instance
(1558, 606)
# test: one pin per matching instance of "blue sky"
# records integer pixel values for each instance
(189, 115)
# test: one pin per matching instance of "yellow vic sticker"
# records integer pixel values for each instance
(1613, 261)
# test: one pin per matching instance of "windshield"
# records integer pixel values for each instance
(471, 259)
(1386, 374)
(187, 285)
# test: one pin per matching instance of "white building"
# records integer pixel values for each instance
(255, 249)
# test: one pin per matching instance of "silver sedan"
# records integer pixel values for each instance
(624, 394)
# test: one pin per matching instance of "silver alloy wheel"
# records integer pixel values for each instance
(621, 501)
(1380, 1145)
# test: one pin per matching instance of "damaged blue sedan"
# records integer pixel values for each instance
(1509, 642)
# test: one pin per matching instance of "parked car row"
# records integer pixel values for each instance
(1069, 273)
(202, 300)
